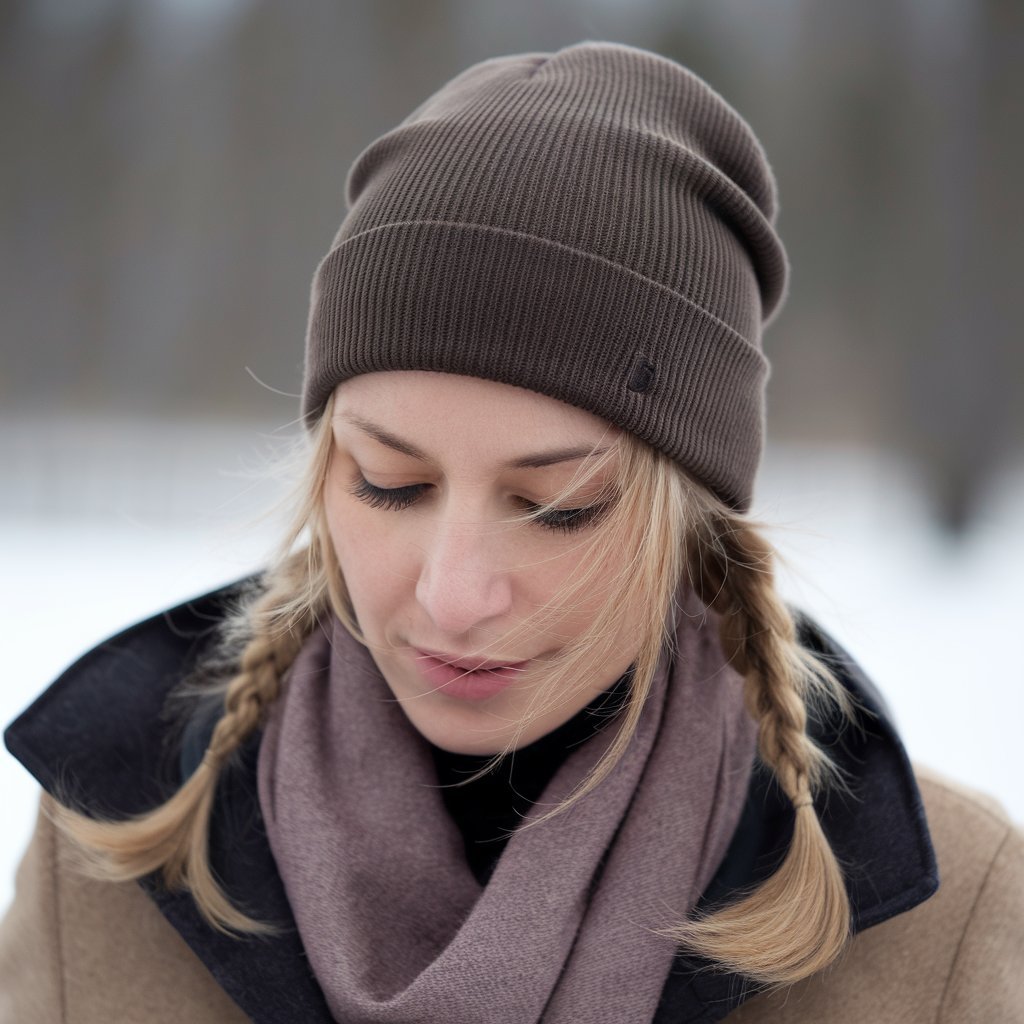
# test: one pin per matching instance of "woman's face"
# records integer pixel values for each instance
(426, 471)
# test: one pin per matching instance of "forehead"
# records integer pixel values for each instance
(449, 412)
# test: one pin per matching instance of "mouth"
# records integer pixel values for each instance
(469, 663)
(468, 678)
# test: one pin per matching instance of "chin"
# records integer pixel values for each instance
(465, 730)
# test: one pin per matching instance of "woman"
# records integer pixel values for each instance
(481, 744)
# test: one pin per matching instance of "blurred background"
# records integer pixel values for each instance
(174, 169)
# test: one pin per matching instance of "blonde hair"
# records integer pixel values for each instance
(791, 925)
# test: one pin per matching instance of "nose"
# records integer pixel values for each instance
(460, 584)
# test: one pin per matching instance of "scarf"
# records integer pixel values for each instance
(397, 928)
(488, 806)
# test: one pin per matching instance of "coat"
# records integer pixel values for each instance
(73, 949)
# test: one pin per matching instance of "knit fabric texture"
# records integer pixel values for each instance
(594, 224)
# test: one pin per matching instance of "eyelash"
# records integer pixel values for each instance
(394, 498)
(562, 520)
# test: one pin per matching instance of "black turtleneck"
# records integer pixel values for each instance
(489, 808)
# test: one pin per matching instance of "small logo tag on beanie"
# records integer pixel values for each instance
(641, 377)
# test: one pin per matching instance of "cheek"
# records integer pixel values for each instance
(379, 580)
(579, 587)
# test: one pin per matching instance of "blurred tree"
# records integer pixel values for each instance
(960, 387)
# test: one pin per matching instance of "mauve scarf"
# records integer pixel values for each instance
(396, 927)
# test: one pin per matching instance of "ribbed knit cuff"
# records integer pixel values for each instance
(522, 310)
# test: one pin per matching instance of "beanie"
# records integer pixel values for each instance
(594, 224)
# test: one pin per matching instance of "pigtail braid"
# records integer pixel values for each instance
(259, 643)
(798, 920)
(173, 838)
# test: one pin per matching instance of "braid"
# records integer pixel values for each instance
(173, 838)
(759, 637)
(797, 921)
(276, 638)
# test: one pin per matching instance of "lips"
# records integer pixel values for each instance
(468, 663)
(465, 677)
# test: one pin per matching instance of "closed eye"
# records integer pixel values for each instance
(563, 520)
(566, 520)
(394, 498)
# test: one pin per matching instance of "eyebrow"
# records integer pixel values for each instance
(538, 460)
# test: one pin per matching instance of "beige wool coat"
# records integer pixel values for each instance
(77, 951)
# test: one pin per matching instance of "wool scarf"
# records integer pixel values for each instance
(397, 928)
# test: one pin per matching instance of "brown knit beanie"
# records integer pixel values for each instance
(593, 224)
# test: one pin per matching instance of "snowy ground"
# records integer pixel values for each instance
(102, 525)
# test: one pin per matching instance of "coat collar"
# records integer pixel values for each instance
(99, 738)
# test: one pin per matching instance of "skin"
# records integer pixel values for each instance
(449, 572)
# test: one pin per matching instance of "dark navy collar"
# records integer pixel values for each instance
(99, 738)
